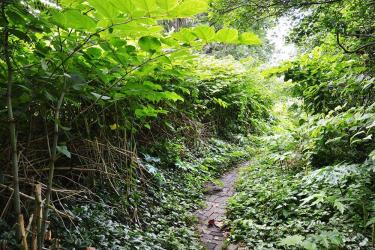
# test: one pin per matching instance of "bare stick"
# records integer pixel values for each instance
(52, 169)
(21, 223)
(38, 215)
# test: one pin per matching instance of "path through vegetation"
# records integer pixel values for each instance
(114, 116)
(211, 218)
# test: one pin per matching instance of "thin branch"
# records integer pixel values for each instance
(286, 4)
(33, 199)
(352, 51)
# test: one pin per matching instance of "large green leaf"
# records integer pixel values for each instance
(148, 6)
(152, 85)
(149, 44)
(184, 35)
(172, 96)
(190, 8)
(167, 5)
(250, 39)
(94, 52)
(205, 33)
(227, 35)
(129, 7)
(16, 17)
(72, 18)
(104, 8)
(169, 41)
(70, 3)
(134, 29)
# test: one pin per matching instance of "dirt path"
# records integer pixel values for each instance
(211, 217)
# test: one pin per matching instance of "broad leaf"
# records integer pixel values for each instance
(102, 97)
(205, 33)
(148, 6)
(136, 29)
(149, 43)
(114, 126)
(250, 39)
(74, 19)
(340, 206)
(184, 35)
(152, 85)
(129, 7)
(190, 8)
(167, 5)
(227, 35)
(104, 8)
(172, 96)
(370, 221)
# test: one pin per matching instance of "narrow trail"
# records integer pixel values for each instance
(212, 216)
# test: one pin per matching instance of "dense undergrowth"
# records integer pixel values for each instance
(277, 207)
(164, 208)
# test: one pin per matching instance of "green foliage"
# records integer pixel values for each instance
(206, 33)
(238, 100)
(72, 18)
(101, 83)
(350, 20)
(326, 79)
(164, 218)
(132, 110)
(311, 184)
(338, 136)
(249, 38)
(328, 240)
(90, 51)
(149, 44)
(323, 209)
(227, 35)
(337, 113)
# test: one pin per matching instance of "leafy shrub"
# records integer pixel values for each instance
(275, 208)
(338, 136)
(159, 217)
(231, 96)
